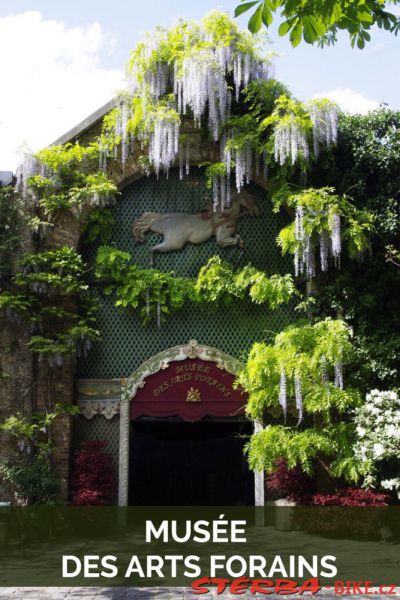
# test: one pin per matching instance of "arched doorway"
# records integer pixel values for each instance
(183, 429)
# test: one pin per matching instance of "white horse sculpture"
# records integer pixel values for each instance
(179, 229)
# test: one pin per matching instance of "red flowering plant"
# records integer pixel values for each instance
(92, 478)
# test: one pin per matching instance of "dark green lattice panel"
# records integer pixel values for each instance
(99, 428)
(126, 341)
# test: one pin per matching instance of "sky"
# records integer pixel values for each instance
(62, 59)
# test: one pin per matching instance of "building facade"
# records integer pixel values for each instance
(162, 394)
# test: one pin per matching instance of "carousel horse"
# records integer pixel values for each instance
(179, 229)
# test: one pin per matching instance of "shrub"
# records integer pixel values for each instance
(292, 484)
(33, 482)
(351, 497)
(92, 478)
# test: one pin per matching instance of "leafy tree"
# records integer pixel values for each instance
(366, 164)
(320, 21)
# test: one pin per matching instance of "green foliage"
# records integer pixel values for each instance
(319, 207)
(10, 219)
(30, 428)
(188, 37)
(308, 351)
(288, 121)
(39, 227)
(150, 290)
(55, 270)
(98, 226)
(218, 282)
(71, 182)
(393, 255)
(30, 472)
(40, 288)
(288, 110)
(32, 483)
(310, 354)
(276, 441)
(319, 22)
(304, 448)
(213, 171)
(244, 132)
(15, 305)
(67, 158)
(111, 264)
(366, 162)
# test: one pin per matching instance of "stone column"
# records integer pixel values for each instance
(123, 473)
(259, 487)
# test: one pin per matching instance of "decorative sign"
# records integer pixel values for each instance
(99, 397)
(191, 389)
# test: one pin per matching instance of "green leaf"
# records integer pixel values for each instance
(255, 22)
(244, 7)
(310, 34)
(360, 43)
(284, 28)
(365, 17)
(295, 36)
(266, 15)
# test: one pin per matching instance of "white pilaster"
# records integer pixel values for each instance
(123, 473)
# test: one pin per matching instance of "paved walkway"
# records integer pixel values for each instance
(156, 593)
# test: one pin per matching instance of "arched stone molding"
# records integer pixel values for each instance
(161, 361)
(130, 386)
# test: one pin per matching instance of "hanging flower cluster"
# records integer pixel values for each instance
(302, 371)
(187, 71)
(329, 243)
(243, 165)
(121, 130)
(28, 168)
(322, 218)
(283, 391)
(283, 400)
(377, 424)
(294, 124)
(64, 178)
(163, 140)
(290, 142)
(324, 118)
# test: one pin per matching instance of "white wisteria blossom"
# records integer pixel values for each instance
(28, 168)
(324, 118)
(330, 243)
(164, 142)
(283, 392)
(197, 83)
(290, 142)
(299, 397)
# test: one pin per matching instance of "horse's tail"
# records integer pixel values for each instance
(143, 224)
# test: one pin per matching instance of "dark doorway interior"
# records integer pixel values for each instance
(191, 464)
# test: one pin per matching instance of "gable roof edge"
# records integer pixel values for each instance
(86, 124)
